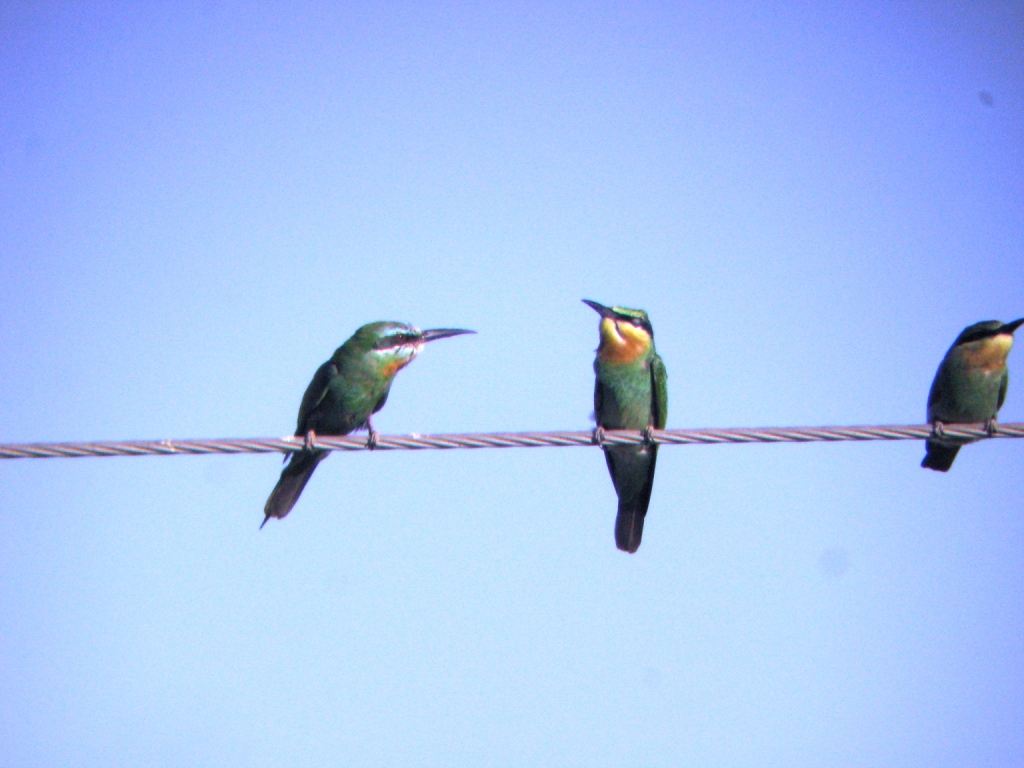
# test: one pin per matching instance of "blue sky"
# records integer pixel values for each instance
(199, 202)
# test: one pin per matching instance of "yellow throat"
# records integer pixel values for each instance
(988, 354)
(622, 342)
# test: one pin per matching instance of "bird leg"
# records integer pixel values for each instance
(990, 426)
(371, 440)
(648, 437)
(307, 441)
(597, 438)
(937, 430)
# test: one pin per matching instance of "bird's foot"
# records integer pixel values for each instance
(307, 441)
(371, 436)
(597, 437)
(938, 431)
(648, 437)
(990, 426)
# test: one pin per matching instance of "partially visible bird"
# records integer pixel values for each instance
(344, 393)
(631, 392)
(969, 387)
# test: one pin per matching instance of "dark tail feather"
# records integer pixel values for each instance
(629, 527)
(293, 479)
(940, 457)
(632, 472)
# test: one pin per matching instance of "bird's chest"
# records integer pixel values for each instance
(627, 397)
(352, 402)
(987, 356)
(967, 394)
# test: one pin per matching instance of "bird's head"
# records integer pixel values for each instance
(987, 329)
(394, 345)
(987, 344)
(625, 334)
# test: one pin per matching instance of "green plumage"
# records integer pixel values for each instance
(350, 387)
(631, 394)
(965, 390)
(344, 393)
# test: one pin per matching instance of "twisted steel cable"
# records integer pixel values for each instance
(416, 441)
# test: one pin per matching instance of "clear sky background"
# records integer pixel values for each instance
(200, 201)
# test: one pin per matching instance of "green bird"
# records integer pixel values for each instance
(969, 387)
(631, 392)
(344, 393)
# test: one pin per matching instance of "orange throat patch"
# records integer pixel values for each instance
(988, 354)
(390, 369)
(622, 342)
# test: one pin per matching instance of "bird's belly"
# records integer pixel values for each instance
(345, 410)
(967, 397)
(339, 423)
(626, 408)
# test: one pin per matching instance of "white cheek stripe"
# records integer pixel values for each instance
(406, 350)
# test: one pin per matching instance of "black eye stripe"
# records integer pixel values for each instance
(977, 337)
(978, 334)
(395, 340)
(639, 322)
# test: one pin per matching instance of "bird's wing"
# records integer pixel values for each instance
(943, 383)
(1003, 386)
(314, 396)
(933, 393)
(659, 390)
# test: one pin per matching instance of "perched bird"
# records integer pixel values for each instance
(344, 393)
(970, 386)
(631, 392)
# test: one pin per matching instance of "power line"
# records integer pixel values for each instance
(416, 441)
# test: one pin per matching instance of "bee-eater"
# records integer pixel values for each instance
(344, 393)
(631, 392)
(970, 385)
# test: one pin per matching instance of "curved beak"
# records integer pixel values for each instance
(1011, 327)
(601, 309)
(442, 333)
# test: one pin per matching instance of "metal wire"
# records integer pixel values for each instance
(966, 432)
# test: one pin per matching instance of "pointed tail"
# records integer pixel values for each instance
(293, 479)
(632, 472)
(939, 457)
(629, 527)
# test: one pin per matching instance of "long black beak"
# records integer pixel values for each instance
(1011, 327)
(601, 309)
(442, 333)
